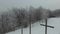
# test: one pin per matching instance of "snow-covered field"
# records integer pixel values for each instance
(38, 29)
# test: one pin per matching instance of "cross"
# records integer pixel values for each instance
(46, 26)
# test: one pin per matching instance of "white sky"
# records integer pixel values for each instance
(50, 4)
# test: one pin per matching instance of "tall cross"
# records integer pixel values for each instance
(46, 26)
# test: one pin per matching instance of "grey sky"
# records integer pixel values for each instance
(50, 4)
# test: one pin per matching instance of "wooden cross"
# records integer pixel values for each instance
(46, 26)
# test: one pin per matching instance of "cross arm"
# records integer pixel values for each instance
(47, 25)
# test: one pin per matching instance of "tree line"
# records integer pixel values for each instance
(16, 18)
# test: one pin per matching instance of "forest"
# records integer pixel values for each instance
(17, 18)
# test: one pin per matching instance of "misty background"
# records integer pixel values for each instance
(7, 5)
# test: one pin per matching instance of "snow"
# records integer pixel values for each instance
(38, 29)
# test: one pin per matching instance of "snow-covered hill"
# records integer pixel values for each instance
(38, 29)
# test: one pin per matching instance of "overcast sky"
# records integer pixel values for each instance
(50, 4)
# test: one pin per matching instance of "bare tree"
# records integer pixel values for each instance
(35, 14)
(4, 20)
(21, 18)
(6, 26)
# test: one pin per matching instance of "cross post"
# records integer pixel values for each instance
(29, 24)
(46, 26)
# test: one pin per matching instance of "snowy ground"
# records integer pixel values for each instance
(37, 29)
